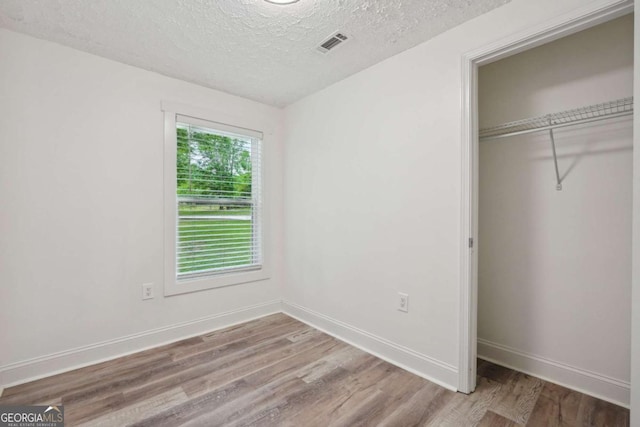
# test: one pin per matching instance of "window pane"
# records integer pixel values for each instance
(218, 201)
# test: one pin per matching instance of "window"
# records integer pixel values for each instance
(213, 174)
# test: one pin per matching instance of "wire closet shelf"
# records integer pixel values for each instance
(591, 113)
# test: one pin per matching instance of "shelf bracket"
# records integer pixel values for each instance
(555, 158)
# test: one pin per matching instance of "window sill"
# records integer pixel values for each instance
(196, 284)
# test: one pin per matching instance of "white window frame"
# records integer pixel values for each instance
(173, 286)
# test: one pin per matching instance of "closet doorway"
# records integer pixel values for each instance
(547, 204)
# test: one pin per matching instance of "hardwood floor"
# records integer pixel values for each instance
(278, 371)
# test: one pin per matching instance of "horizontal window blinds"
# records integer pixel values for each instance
(219, 198)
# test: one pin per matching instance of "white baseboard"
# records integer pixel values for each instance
(424, 366)
(601, 386)
(44, 366)
(441, 373)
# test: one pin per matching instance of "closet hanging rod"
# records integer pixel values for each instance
(592, 113)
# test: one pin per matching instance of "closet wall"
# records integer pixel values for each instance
(555, 266)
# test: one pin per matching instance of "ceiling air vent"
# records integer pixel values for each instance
(332, 42)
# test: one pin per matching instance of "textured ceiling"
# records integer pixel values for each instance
(249, 48)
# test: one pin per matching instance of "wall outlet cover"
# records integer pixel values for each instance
(147, 291)
(403, 302)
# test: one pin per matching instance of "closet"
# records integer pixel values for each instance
(555, 205)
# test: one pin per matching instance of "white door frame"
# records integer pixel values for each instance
(561, 26)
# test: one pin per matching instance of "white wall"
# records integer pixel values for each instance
(635, 303)
(554, 278)
(373, 191)
(81, 217)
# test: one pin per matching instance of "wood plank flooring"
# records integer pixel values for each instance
(276, 371)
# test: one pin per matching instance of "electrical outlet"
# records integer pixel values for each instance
(147, 290)
(403, 302)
